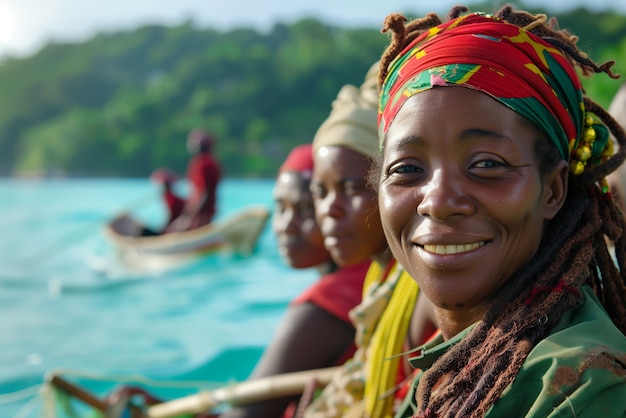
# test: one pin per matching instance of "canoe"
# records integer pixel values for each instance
(237, 233)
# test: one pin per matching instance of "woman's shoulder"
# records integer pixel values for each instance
(584, 328)
(578, 370)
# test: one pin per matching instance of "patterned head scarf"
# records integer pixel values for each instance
(512, 65)
(352, 122)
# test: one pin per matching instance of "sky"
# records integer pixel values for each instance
(27, 25)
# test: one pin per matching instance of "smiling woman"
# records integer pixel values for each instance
(492, 196)
(465, 202)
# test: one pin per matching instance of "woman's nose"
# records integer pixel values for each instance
(330, 205)
(443, 196)
(285, 221)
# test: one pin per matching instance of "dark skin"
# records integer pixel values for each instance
(308, 337)
(347, 208)
(463, 203)
(300, 241)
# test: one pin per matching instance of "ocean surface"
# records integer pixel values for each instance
(69, 307)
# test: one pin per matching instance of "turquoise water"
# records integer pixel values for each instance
(67, 305)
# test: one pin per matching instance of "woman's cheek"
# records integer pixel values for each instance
(390, 213)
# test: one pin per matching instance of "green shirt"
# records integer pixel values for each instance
(579, 370)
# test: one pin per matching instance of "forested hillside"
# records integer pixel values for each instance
(121, 104)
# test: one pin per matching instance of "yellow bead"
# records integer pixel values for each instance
(588, 120)
(583, 153)
(576, 167)
(589, 135)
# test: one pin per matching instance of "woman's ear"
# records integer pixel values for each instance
(555, 189)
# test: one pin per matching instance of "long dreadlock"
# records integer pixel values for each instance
(472, 375)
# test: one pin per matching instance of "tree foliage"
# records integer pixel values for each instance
(121, 104)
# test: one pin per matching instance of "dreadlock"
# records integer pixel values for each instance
(471, 376)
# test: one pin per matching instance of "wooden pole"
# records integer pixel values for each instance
(78, 393)
(242, 393)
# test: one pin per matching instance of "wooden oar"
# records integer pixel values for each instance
(242, 393)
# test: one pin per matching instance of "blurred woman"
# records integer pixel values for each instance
(346, 209)
(316, 331)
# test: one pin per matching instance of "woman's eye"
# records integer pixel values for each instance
(349, 189)
(353, 188)
(405, 169)
(489, 164)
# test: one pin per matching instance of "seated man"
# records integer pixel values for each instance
(203, 175)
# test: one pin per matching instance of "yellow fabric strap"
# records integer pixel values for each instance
(373, 275)
(381, 321)
(392, 329)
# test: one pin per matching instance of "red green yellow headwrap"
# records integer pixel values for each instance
(509, 63)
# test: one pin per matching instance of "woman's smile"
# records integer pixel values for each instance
(452, 257)
(449, 249)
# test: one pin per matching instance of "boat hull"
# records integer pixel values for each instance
(237, 233)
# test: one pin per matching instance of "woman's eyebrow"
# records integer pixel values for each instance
(483, 133)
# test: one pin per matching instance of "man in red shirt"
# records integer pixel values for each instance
(203, 175)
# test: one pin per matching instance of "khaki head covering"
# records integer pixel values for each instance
(352, 122)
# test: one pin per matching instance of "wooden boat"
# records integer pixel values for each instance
(237, 233)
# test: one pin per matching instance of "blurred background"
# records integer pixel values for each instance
(110, 89)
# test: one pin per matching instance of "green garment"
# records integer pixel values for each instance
(579, 370)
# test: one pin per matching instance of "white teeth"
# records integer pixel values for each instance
(452, 249)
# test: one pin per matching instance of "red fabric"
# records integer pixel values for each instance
(291, 410)
(337, 292)
(404, 383)
(203, 174)
(174, 204)
(299, 159)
